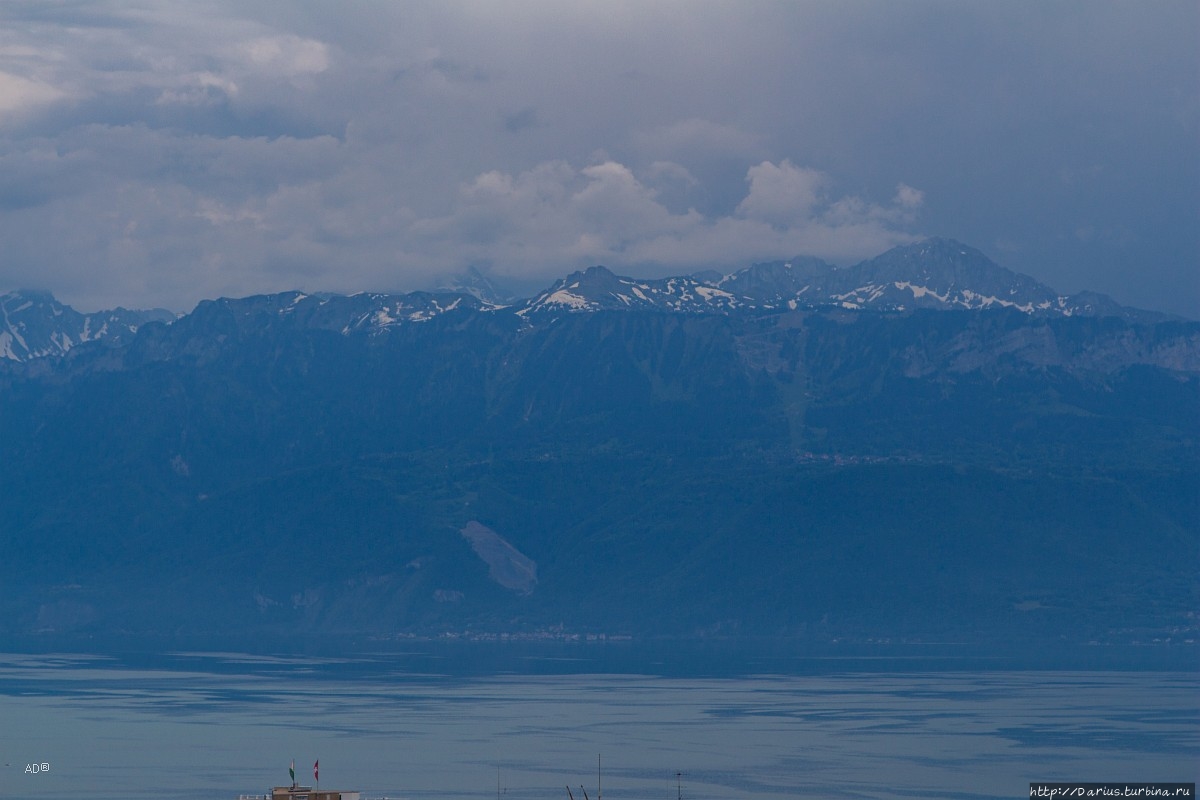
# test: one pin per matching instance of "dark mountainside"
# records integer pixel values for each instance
(923, 447)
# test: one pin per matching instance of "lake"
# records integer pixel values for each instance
(425, 724)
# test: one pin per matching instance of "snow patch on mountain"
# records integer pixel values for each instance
(35, 325)
(932, 274)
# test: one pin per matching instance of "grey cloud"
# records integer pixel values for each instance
(209, 237)
(556, 217)
(521, 120)
(159, 153)
(697, 138)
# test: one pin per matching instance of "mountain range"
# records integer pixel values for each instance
(922, 446)
(933, 274)
(35, 325)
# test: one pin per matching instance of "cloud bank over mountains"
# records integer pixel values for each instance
(555, 214)
(156, 154)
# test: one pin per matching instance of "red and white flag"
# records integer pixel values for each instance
(315, 763)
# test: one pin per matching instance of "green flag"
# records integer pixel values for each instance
(292, 770)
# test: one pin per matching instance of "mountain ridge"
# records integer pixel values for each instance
(675, 463)
(935, 273)
(33, 324)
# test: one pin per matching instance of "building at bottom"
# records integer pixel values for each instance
(301, 793)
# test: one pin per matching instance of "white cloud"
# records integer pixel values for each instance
(181, 55)
(259, 223)
(908, 198)
(555, 217)
(782, 194)
(198, 89)
(621, 208)
(287, 56)
(18, 94)
(670, 172)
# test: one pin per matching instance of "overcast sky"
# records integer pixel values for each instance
(154, 154)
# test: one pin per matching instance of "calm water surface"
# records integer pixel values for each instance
(218, 725)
